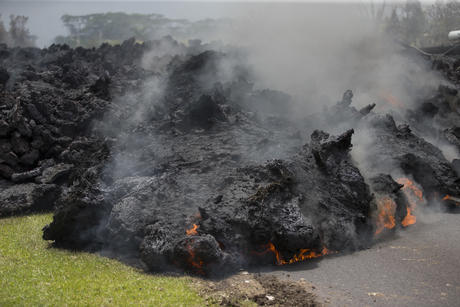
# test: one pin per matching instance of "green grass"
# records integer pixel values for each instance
(32, 273)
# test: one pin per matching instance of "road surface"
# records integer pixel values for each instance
(418, 266)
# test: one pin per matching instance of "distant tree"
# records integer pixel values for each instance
(3, 32)
(74, 25)
(393, 23)
(413, 21)
(374, 11)
(92, 30)
(19, 34)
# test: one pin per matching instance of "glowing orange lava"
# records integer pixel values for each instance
(409, 219)
(409, 185)
(304, 254)
(414, 196)
(194, 261)
(391, 99)
(454, 199)
(386, 217)
(192, 231)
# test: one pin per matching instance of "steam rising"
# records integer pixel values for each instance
(317, 51)
(313, 52)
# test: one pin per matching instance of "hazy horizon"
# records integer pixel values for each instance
(45, 16)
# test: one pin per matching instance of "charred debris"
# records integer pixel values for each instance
(182, 167)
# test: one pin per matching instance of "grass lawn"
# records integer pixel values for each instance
(33, 274)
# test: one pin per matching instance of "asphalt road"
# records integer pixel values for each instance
(418, 266)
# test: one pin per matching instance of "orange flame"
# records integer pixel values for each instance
(192, 231)
(386, 217)
(414, 196)
(410, 186)
(304, 254)
(272, 248)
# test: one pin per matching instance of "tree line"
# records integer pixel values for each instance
(410, 22)
(423, 26)
(95, 29)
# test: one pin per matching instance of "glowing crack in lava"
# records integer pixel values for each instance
(386, 216)
(414, 196)
(303, 254)
(194, 261)
(454, 199)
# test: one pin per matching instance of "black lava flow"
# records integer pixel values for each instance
(210, 175)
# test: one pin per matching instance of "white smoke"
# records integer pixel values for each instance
(317, 51)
